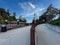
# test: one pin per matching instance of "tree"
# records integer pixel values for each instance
(14, 16)
(5, 15)
(1, 18)
(8, 12)
(2, 11)
(21, 19)
(59, 14)
(37, 21)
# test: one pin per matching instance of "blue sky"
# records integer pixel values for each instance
(26, 8)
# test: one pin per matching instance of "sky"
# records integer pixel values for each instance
(27, 8)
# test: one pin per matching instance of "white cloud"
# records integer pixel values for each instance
(37, 12)
(25, 6)
(29, 9)
(32, 5)
(39, 9)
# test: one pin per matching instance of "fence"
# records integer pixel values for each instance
(11, 26)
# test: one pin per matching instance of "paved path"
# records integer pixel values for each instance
(20, 36)
(45, 36)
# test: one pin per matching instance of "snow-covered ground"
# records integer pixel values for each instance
(54, 28)
(19, 36)
(45, 36)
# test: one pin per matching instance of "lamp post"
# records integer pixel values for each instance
(6, 22)
(17, 22)
(32, 33)
(34, 18)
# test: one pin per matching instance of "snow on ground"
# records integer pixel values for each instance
(45, 36)
(54, 28)
(19, 36)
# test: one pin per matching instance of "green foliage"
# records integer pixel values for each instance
(1, 18)
(22, 20)
(5, 15)
(14, 16)
(37, 21)
(55, 22)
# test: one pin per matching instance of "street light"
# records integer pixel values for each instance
(33, 8)
(34, 18)
(17, 22)
(6, 22)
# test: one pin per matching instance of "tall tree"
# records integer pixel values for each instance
(8, 12)
(21, 19)
(2, 11)
(14, 15)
